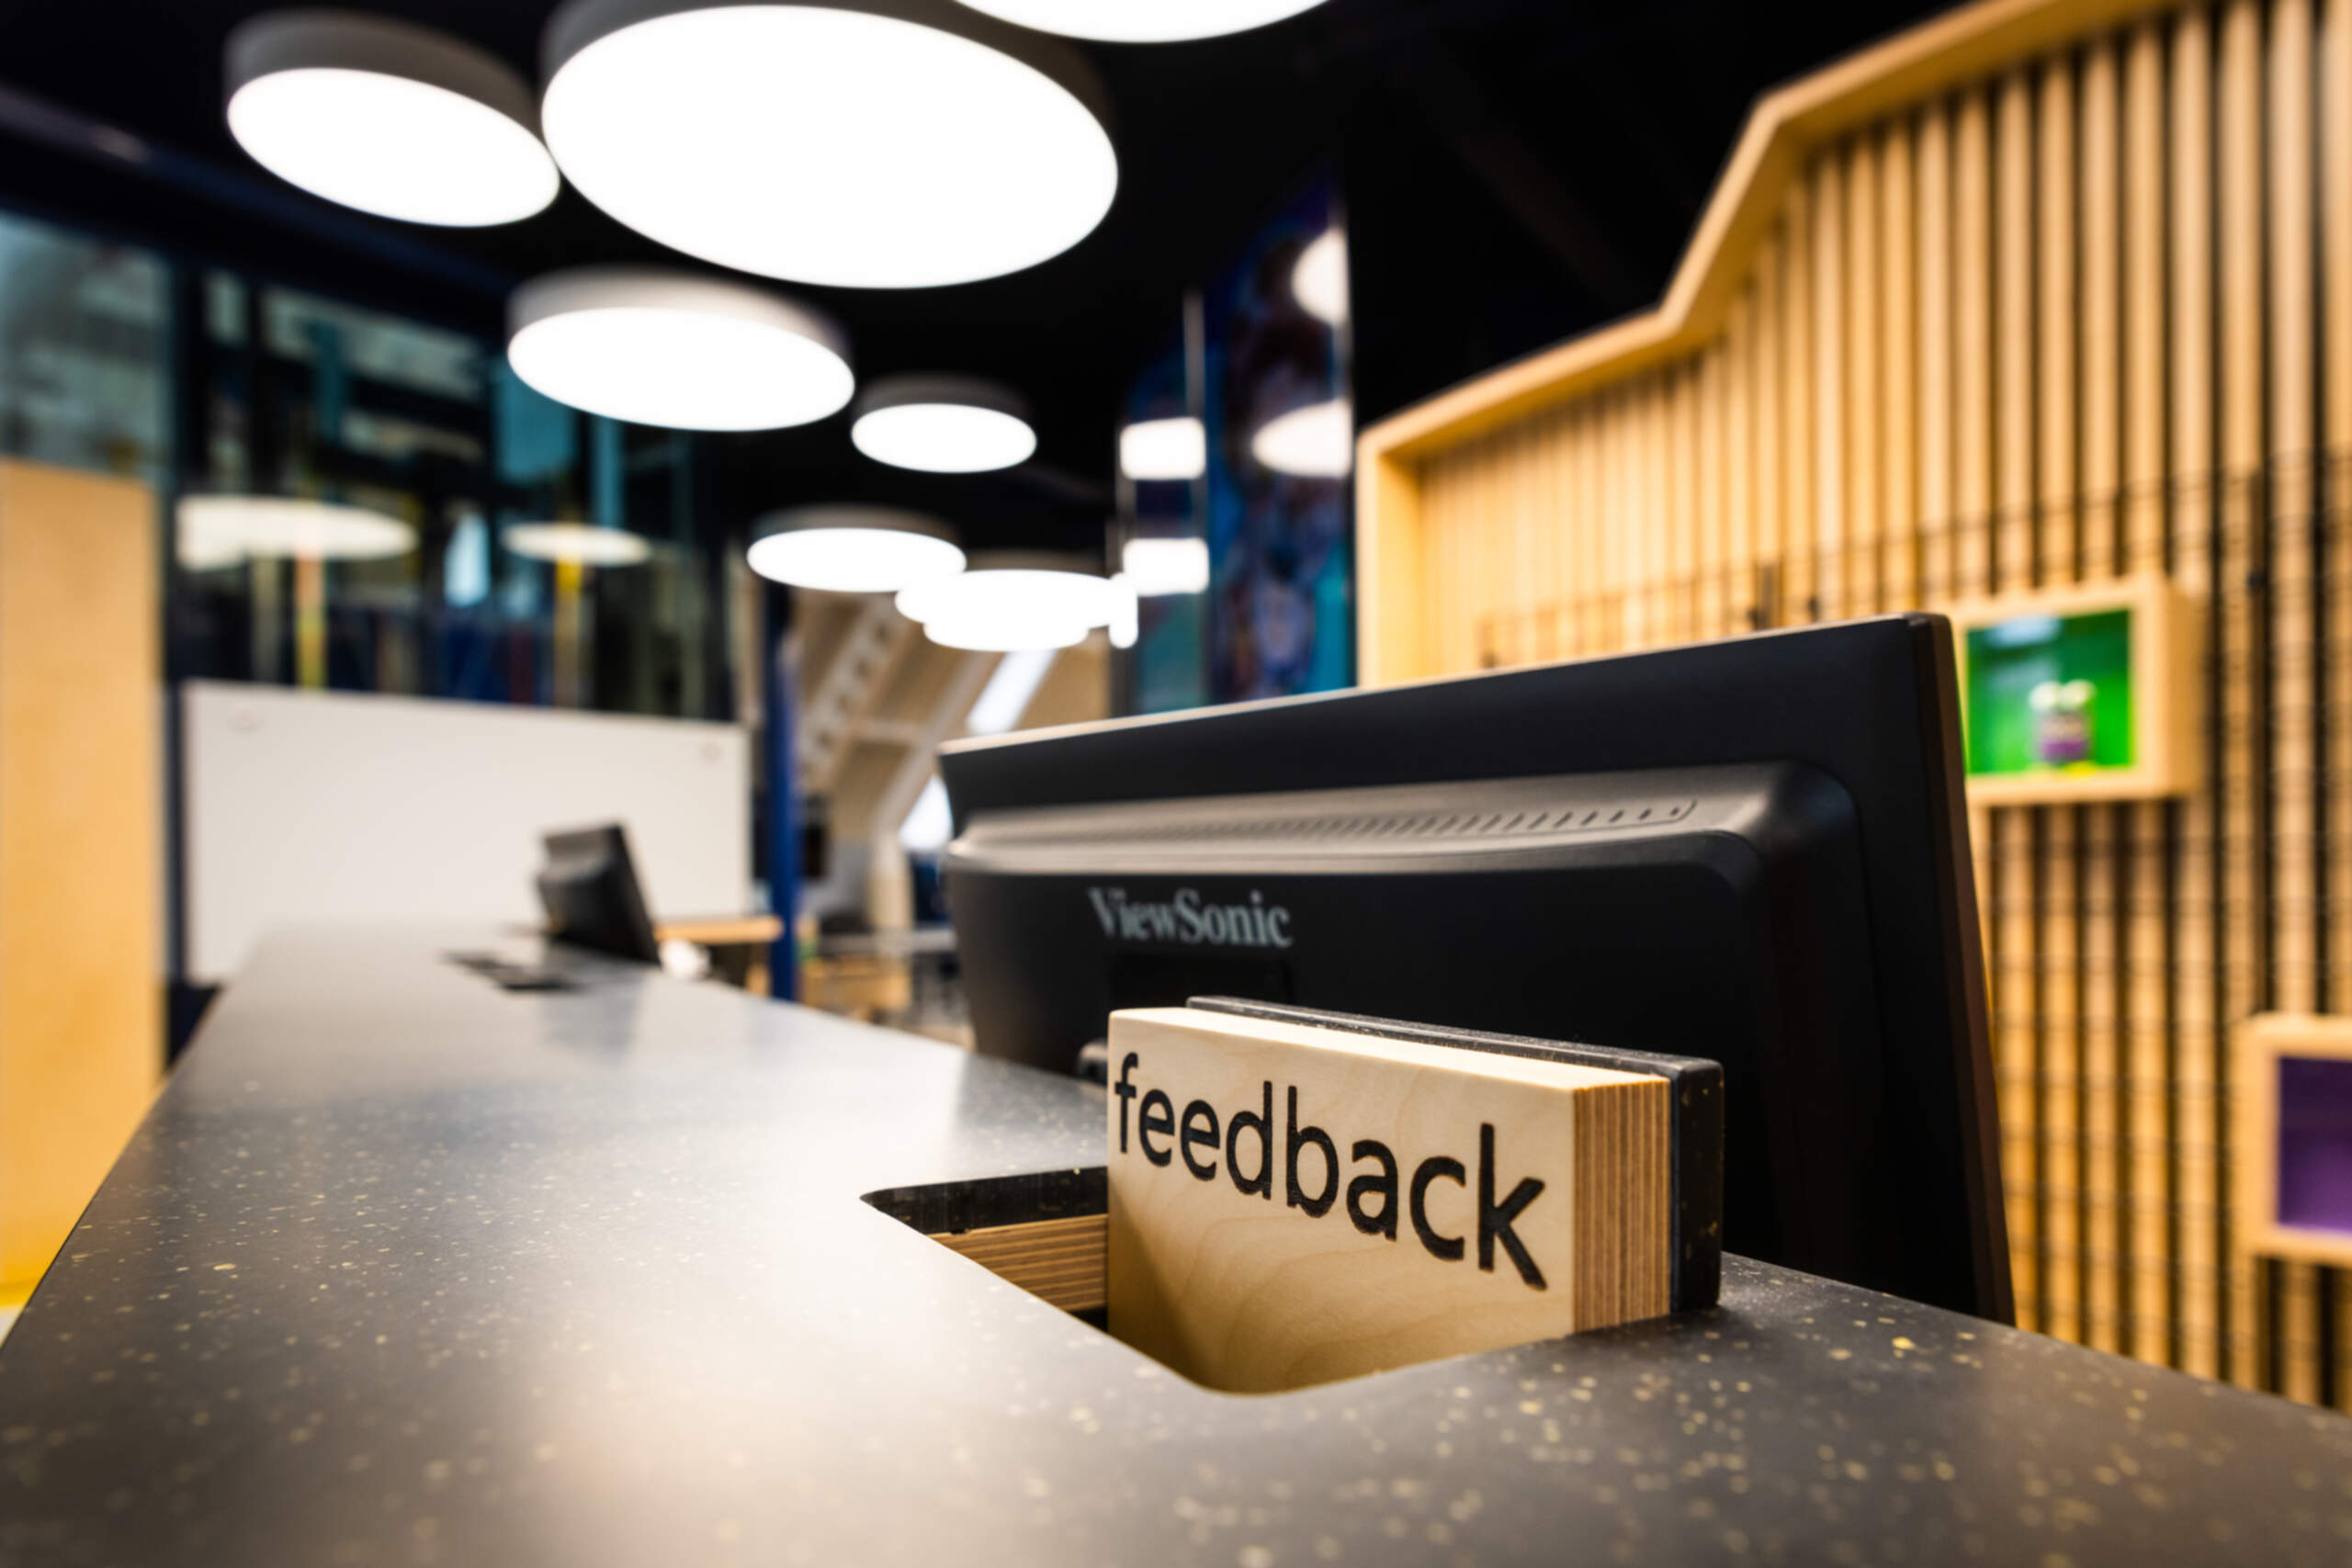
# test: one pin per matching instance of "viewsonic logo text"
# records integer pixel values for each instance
(1189, 918)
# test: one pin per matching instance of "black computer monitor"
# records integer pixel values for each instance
(590, 891)
(1753, 851)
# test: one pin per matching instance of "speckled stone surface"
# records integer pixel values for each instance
(406, 1269)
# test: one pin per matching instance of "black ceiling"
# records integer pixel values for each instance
(1513, 171)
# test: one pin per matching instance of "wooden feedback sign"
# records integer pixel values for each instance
(1291, 1204)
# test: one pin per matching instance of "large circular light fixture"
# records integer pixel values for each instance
(1143, 21)
(943, 425)
(866, 143)
(387, 117)
(215, 530)
(1010, 603)
(575, 544)
(988, 631)
(853, 549)
(1315, 442)
(671, 349)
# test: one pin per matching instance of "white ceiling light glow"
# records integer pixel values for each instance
(1315, 442)
(862, 143)
(387, 117)
(1318, 280)
(674, 350)
(1143, 21)
(215, 530)
(1010, 603)
(578, 544)
(994, 632)
(943, 425)
(1157, 567)
(855, 549)
(1164, 449)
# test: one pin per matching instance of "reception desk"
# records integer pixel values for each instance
(405, 1269)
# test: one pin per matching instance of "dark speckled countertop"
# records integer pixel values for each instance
(404, 1270)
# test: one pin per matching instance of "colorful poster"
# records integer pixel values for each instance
(2050, 694)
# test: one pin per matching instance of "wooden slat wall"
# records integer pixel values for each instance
(2087, 314)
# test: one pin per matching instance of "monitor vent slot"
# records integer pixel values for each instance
(1483, 827)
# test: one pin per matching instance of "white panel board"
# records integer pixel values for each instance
(306, 808)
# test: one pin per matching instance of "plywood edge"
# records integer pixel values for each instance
(1064, 1260)
(1942, 54)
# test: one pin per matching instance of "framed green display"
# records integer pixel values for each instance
(2083, 693)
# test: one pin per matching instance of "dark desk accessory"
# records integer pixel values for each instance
(509, 976)
(590, 890)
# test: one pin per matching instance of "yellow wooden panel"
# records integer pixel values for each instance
(1826, 417)
(2196, 1156)
(2147, 1090)
(2238, 191)
(1766, 392)
(81, 1026)
(2293, 325)
(2336, 222)
(2107, 844)
(1898, 432)
(1937, 372)
(1971, 383)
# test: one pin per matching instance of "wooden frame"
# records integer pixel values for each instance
(2261, 1042)
(2164, 708)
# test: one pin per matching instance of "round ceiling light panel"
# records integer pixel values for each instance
(1143, 21)
(988, 632)
(385, 118)
(1318, 280)
(674, 350)
(576, 544)
(1164, 449)
(861, 143)
(1315, 442)
(1010, 603)
(217, 529)
(853, 549)
(943, 425)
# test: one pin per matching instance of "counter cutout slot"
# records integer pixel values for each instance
(1046, 1231)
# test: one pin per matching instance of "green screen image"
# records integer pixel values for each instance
(2050, 694)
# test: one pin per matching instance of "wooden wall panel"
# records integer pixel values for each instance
(81, 851)
(2078, 312)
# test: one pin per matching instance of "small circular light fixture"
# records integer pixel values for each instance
(1315, 442)
(578, 544)
(1164, 449)
(215, 530)
(1126, 614)
(1008, 603)
(671, 349)
(943, 425)
(861, 143)
(1318, 279)
(1143, 21)
(387, 117)
(1155, 567)
(853, 549)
